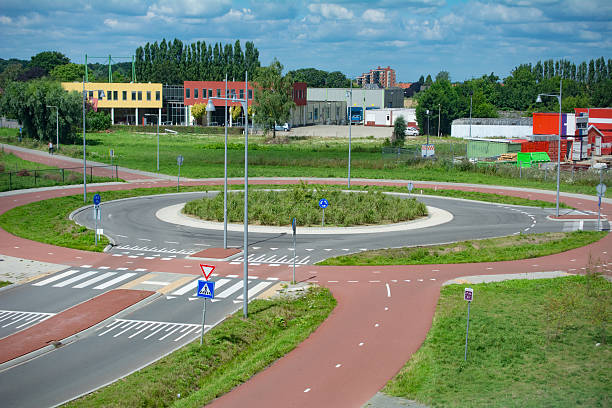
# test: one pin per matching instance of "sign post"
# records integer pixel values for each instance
(97, 215)
(601, 190)
(293, 226)
(468, 295)
(206, 290)
(323, 203)
(179, 161)
(111, 152)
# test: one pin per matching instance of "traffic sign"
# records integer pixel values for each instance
(96, 199)
(179, 160)
(601, 189)
(323, 203)
(468, 294)
(206, 289)
(207, 270)
(293, 225)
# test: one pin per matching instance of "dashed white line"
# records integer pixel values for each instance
(388, 290)
(338, 365)
(374, 281)
(361, 344)
(144, 239)
(307, 390)
(376, 325)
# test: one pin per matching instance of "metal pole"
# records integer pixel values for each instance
(225, 173)
(323, 218)
(439, 107)
(96, 224)
(158, 118)
(245, 306)
(350, 120)
(178, 179)
(559, 147)
(467, 330)
(84, 158)
(294, 254)
(471, 94)
(203, 320)
(57, 127)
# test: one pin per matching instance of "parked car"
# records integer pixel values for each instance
(410, 131)
(285, 126)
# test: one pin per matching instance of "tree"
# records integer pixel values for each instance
(519, 91)
(399, 131)
(68, 72)
(443, 76)
(10, 73)
(273, 101)
(236, 111)
(198, 110)
(444, 95)
(47, 60)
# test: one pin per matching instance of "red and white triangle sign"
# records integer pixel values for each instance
(207, 270)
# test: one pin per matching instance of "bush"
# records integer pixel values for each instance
(97, 121)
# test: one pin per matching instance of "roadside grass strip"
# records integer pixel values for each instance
(532, 343)
(233, 352)
(515, 247)
(23, 174)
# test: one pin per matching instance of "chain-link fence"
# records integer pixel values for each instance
(30, 178)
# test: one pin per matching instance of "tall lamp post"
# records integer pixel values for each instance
(157, 120)
(349, 94)
(56, 125)
(439, 107)
(210, 107)
(427, 113)
(539, 100)
(100, 96)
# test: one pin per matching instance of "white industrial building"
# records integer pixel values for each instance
(388, 116)
(507, 128)
(364, 98)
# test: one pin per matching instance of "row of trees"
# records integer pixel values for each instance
(517, 92)
(316, 78)
(172, 62)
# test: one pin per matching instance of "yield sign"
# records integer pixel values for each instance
(207, 270)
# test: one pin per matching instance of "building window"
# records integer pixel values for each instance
(250, 94)
(187, 93)
(218, 93)
(242, 94)
(115, 95)
(140, 95)
(210, 93)
(316, 113)
(133, 95)
(148, 95)
(195, 93)
(124, 95)
(157, 95)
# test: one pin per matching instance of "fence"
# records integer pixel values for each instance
(25, 178)
(447, 151)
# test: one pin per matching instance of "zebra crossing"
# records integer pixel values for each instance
(81, 279)
(273, 260)
(11, 320)
(145, 330)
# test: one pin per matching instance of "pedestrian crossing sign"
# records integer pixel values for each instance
(206, 289)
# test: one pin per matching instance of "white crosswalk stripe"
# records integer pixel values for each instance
(74, 279)
(21, 319)
(229, 291)
(56, 277)
(94, 280)
(79, 279)
(150, 329)
(255, 289)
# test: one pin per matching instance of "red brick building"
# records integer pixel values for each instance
(383, 77)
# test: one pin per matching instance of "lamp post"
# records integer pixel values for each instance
(210, 107)
(100, 96)
(439, 107)
(539, 100)
(157, 120)
(427, 113)
(56, 125)
(471, 94)
(349, 95)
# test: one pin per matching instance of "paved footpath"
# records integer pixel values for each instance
(383, 313)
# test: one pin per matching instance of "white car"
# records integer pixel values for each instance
(286, 127)
(410, 131)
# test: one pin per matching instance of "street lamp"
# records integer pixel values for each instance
(56, 125)
(157, 120)
(539, 100)
(471, 94)
(439, 106)
(427, 113)
(100, 96)
(210, 107)
(349, 94)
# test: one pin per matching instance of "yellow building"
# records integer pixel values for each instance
(128, 103)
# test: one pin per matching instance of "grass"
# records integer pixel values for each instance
(4, 283)
(301, 202)
(532, 343)
(47, 221)
(509, 248)
(27, 174)
(233, 352)
(304, 157)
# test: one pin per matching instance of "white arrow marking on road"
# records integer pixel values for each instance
(170, 297)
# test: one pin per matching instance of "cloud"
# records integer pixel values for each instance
(499, 13)
(191, 8)
(5, 20)
(374, 16)
(331, 11)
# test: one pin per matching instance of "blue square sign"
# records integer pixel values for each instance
(206, 289)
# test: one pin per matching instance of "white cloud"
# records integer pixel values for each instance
(374, 16)
(331, 11)
(111, 22)
(498, 13)
(5, 20)
(191, 8)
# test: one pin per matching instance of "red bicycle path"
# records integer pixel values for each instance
(371, 333)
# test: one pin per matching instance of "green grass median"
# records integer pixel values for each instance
(509, 248)
(232, 353)
(532, 343)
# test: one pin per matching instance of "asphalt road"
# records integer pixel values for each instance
(137, 232)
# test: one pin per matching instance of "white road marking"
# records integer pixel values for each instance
(157, 283)
(307, 390)
(231, 290)
(338, 365)
(122, 236)
(255, 289)
(388, 290)
(374, 281)
(56, 277)
(170, 242)
(114, 281)
(376, 325)
(361, 344)
(94, 280)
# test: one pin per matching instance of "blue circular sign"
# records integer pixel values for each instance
(323, 203)
(97, 199)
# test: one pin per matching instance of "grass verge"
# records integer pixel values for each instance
(532, 343)
(233, 352)
(4, 283)
(47, 221)
(27, 174)
(509, 248)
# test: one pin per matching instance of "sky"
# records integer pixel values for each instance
(467, 38)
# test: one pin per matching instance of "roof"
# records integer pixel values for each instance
(495, 121)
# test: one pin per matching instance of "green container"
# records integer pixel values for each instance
(478, 149)
(528, 159)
